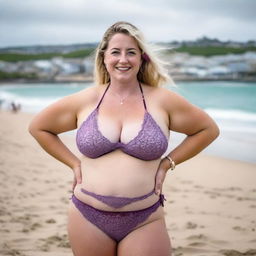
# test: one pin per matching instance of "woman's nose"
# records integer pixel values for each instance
(123, 57)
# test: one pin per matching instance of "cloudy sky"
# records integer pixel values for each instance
(29, 22)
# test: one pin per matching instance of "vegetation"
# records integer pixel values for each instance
(17, 75)
(13, 57)
(208, 51)
(193, 50)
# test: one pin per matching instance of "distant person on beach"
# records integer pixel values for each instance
(123, 122)
(15, 107)
(1, 103)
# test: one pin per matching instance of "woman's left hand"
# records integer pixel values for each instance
(160, 176)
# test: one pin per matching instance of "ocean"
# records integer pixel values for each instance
(231, 104)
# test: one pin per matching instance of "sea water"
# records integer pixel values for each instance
(231, 104)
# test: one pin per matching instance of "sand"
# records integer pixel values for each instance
(210, 207)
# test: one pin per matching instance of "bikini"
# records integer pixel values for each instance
(149, 144)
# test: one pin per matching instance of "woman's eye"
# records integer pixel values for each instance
(114, 52)
(131, 53)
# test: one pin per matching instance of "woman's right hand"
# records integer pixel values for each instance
(77, 176)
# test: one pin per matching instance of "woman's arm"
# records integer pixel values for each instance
(57, 118)
(188, 119)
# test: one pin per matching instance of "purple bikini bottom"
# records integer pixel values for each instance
(117, 201)
(115, 224)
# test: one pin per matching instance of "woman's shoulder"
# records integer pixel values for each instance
(87, 95)
(160, 93)
(165, 97)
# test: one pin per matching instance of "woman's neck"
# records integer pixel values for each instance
(124, 88)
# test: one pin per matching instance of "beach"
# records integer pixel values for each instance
(210, 207)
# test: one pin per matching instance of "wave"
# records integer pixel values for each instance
(28, 104)
(231, 114)
(233, 120)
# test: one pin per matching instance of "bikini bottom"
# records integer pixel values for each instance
(116, 225)
(117, 202)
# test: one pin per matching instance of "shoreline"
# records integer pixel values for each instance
(210, 208)
(90, 80)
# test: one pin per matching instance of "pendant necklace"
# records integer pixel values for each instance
(121, 100)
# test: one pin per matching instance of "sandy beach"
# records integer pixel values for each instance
(210, 207)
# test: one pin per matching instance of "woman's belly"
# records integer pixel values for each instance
(120, 175)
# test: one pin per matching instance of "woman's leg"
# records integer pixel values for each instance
(85, 238)
(150, 239)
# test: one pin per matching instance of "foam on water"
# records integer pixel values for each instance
(232, 114)
(29, 104)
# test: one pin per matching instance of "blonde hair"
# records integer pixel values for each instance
(152, 71)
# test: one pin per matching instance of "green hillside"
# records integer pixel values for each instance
(212, 51)
(13, 57)
(201, 51)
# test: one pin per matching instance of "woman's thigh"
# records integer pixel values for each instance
(85, 238)
(152, 239)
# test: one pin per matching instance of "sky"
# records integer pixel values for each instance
(52, 22)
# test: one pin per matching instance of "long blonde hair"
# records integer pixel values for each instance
(152, 71)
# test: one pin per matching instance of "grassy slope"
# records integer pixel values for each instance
(202, 51)
(13, 57)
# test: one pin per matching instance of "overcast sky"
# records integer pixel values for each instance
(30, 22)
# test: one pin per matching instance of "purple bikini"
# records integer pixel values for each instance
(149, 144)
(117, 202)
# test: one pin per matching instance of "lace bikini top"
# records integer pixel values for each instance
(149, 144)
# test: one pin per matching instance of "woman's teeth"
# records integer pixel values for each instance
(123, 69)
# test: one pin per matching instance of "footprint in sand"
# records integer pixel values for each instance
(186, 182)
(191, 250)
(238, 228)
(64, 200)
(32, 227)
(235, 189)
(21, 240)
(50, 221)
(198, 186)
(249, 252)
(197, 244)
(200, 240)
(197, 237)
(5, 231)
(219, 242)
(59, 240)
(191, 225)
(7, 250)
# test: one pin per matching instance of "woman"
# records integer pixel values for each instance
(123, 128)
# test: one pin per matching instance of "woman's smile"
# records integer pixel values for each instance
(122, 57)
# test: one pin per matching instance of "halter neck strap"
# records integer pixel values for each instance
(142, 94)
(102, 96)
(143, 98)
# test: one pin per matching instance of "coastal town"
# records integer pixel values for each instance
(181, 65)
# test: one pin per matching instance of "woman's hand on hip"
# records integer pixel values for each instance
(160, 176)
(77, 176)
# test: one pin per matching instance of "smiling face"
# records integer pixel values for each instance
(122, 58)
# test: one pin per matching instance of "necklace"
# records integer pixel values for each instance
(121, 100)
